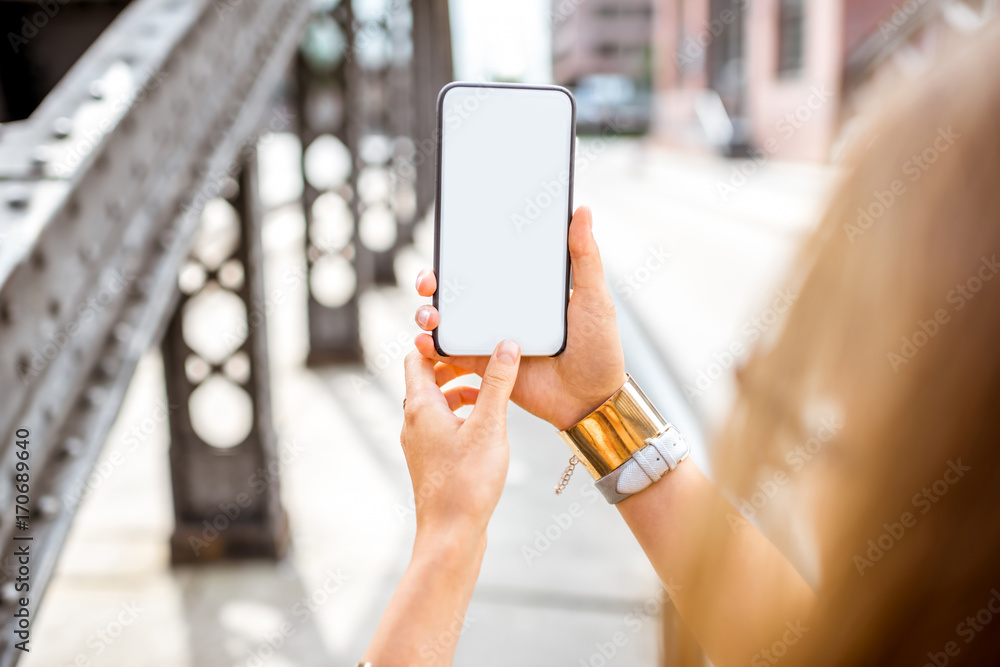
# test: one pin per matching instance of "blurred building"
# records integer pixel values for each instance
(601, 37)
(784, 76)
(602, 50)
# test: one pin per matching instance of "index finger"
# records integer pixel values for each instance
(421, 387)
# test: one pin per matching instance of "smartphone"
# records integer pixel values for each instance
(504, 203)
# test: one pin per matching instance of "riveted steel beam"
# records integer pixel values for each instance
(100, 193)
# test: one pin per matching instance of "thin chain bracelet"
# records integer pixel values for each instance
(561, 486)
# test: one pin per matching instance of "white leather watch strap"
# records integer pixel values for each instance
(647, 465)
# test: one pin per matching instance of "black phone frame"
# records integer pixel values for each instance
(437, 191)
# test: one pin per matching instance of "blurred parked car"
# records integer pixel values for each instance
(613, 102)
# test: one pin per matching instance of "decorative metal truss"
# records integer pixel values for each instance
(367, 83)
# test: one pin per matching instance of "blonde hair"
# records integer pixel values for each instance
(897, 326)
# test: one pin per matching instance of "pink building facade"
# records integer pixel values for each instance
(600, 37)
(785, 72)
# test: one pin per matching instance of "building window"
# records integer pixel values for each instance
(613, 11)
(607, 49)
(791, 37)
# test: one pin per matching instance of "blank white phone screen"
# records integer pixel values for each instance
(504, 205)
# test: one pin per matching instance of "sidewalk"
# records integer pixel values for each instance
(695, 258)
(562, 576)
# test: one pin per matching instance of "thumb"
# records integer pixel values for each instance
(588, 272)
(498, 382)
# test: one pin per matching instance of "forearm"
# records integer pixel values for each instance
(426, 614)
(680, 517)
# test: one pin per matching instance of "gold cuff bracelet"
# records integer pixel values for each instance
(606, 438)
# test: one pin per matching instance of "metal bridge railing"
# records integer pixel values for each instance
(102, 188)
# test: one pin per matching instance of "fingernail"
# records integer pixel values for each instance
(420, 277)
(422, 316)
(508, 351)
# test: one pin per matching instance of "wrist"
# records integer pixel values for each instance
(453, 543)
(625, 444)
(607, 437)
(579, 409)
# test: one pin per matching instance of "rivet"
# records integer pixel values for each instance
(74, 446)
(108, 367)
(89, 252)
(62, 127)
(94, 397)
(123, 332)
(48, 507)
(166, 238)
(40, 157)
(18, 198)
(143, 286)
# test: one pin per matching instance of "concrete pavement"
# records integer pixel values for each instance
(563, 583)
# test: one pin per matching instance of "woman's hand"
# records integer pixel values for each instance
(458, 466)
(561, 390)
